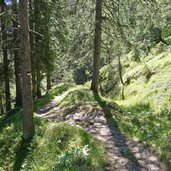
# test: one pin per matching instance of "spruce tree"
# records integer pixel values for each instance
(28, 121)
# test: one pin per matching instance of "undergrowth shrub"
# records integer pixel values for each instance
(75, 159)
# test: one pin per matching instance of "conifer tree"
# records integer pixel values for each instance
(5, 58)
(28, 121)
(97, 46)
(17, 62)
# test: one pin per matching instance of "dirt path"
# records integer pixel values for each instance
(124, 154)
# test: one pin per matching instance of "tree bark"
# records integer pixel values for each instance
(48, 80)
(97, 46)
(32, 52)
(120, 76)
(28, 121)
(47, 39)
(39, 93)
(6, 62)
(37, 19)
(34, 79)
(17, 63)
(1, 105)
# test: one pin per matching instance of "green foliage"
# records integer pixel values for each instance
(50, 143)
(154, 128)
(79, 95)
(149, 79)
(75, 159)
(154, 89)
(109, 79)
(57, 90)
(146, 110)
(57, 140)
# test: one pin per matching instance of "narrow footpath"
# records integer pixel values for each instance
(124, 154)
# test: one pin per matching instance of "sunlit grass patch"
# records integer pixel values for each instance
(77, 96)
(152, 127)
(60, 138)
(50, 142)
(49, 96)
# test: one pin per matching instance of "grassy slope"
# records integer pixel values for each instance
(156, 89)
(147, 105)
(54, 147)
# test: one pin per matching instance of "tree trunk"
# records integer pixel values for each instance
(47, 39)
(6, 62)
(32, 52)
(17, 64)
(34, 80)
(37, 52)
(39, 93)
(48, 80)
(120, 76)
(97, 46)
(1, 105)
(28, 121)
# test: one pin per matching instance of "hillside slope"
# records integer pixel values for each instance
(148, 81)
(146, 108)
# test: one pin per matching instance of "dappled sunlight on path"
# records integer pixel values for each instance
(124, 154)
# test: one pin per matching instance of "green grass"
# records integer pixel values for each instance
(148, 80)
(77, 96)
(146, 109)
(49, 96)
(155, 90)
(55, 146)
(153, 128)
(146, 114)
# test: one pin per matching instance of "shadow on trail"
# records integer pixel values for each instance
(118, 138)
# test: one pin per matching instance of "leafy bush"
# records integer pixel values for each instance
(77, 158)
(109, 80)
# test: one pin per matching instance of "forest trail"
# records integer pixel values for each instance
(124, 154)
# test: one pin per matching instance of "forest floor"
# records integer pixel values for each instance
(124, 154)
